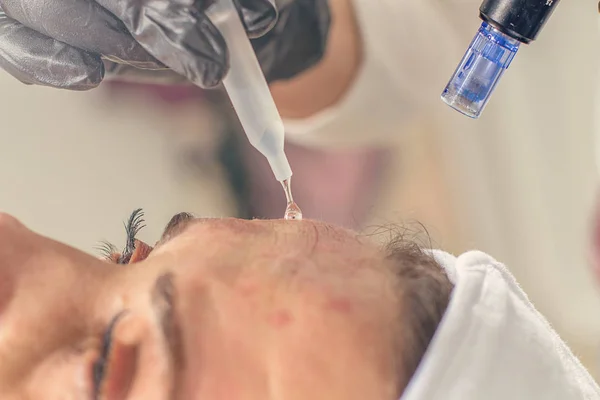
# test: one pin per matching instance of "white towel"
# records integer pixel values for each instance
(492, 344)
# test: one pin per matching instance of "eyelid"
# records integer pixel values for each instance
(141, 252)
(121, 371)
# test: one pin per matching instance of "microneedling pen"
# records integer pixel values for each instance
(506, 24)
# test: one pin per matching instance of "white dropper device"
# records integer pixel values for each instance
(251, 98)
(248, 90)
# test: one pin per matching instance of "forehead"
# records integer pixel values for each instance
(312, 261)
(275, 251)
(251, 240)
(312, 233)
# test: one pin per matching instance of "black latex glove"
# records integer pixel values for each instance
(71, 43)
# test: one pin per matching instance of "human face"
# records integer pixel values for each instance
(221, 309)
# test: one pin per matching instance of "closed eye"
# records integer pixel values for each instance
(100, 366)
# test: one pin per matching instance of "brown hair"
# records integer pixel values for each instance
(425, 292)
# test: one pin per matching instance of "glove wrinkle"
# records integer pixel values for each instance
(128, 73)
(83, 24)
(36, 59)
(187, 42)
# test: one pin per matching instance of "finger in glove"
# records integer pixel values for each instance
(178, 34)
(83, 24)
(258, 16)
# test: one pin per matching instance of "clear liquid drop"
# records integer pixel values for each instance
(292, 211)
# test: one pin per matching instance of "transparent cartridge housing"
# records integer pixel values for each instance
(478, 73)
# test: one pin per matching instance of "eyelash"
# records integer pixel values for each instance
(133, 226)
(100, 365)
(107, 250)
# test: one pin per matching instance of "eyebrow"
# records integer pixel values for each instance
(175, 226)
(163, 303)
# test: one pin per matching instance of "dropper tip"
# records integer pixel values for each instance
(292, 211)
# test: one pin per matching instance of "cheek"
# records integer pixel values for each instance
(64, 372)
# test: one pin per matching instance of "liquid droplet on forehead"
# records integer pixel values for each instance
(292, 212)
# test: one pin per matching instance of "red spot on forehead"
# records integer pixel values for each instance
(247, 289)
(341, 305)
(280, 319)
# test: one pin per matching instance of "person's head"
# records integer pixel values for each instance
(219, 309)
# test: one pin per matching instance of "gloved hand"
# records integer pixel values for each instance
(72, 43)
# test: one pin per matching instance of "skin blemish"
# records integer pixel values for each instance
(247, 289)
(280, 319)
(340, 305)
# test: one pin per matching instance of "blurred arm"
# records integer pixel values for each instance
(323, 85)
(384, 69)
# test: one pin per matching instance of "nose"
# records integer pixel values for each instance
(6, 292)
(12, 247)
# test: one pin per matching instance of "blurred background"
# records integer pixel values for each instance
(74, 165)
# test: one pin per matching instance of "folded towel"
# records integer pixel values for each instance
(493, 344)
